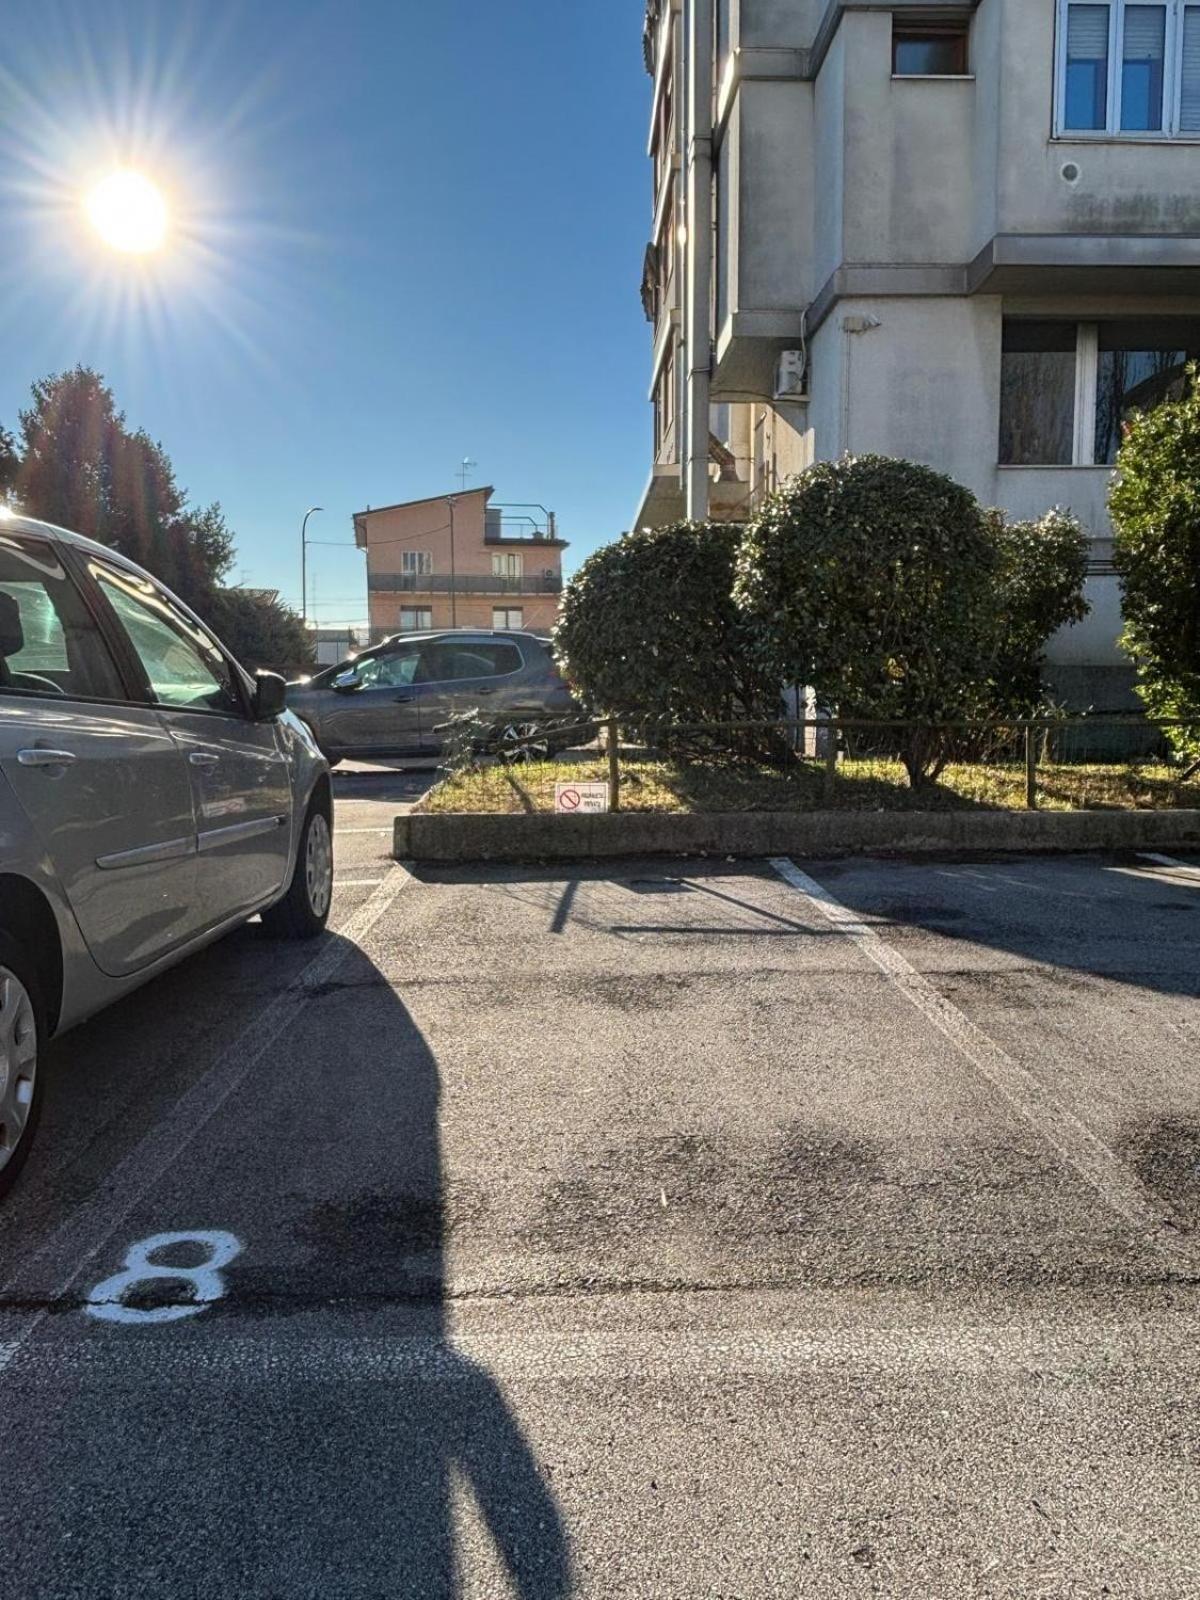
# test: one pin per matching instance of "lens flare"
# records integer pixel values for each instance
(128, 212)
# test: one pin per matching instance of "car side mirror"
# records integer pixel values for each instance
(347, 682)
(270, 696)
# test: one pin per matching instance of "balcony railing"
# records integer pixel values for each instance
(520, 524)
(464, 583)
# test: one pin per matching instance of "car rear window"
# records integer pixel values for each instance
(49, 644)
(453, 660)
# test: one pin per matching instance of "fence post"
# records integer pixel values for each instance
(1030, 767)
(614, 767)
(831, 755)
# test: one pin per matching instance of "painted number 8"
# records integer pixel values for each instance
(107, 1300)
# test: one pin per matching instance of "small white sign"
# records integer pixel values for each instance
(572, 798)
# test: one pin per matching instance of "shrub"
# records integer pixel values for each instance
(1155, 506)
(1039, 589)
(873, 580)
(649, 628)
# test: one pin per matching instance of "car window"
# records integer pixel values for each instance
(395, 670)
(49, 642)
(184, 665)
(452, 660)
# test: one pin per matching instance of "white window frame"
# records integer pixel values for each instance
(506, 612)
(1172, 74)
(416, 563)
(508, 564)
(416, 611)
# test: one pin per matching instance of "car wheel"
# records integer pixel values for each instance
(22, 1034)
(304, 909)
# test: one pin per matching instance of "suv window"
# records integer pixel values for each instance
(184, 665)
(49, 642)
(394, 670)
(452, 660)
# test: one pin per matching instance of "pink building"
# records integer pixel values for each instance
(455, 560)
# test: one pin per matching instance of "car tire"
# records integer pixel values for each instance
(304, 909)
(22, 1015)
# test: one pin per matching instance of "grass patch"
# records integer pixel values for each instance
(863, 785)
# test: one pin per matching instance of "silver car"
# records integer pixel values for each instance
(394, 699)
(152, 796)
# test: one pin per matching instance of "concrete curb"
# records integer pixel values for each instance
(540, 836)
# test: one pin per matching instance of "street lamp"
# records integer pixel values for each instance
(304, 562)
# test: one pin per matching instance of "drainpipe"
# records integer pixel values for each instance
(698, 34)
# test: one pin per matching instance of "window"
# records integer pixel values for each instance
(49, 644)
(508, 564)
(1129, 67)
(184, 666)
(929, 52)
(508, 617)
(1067, 388)
(1138, 365)
(395, 669)
(413, 619)
(1037, 393)
(416, 563)
(455, 661)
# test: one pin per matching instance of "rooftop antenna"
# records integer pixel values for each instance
(464, 472)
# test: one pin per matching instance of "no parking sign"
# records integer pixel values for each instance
(570, 799)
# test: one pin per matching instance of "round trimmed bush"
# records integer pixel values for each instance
(873, 581)
(648, 627)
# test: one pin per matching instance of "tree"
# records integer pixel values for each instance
(82, 468)
(10, 462)
(1155, 506)
(261, 631)
(1039, 589)
(874, 581)
(648, 626)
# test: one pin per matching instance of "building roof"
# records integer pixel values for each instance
(426, 500)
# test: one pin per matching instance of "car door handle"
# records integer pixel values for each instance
(485, 691)
(405, 699)
(203, 758)
(45, 758)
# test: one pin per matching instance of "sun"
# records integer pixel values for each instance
(128, 211)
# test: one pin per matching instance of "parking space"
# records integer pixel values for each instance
(650, 1229)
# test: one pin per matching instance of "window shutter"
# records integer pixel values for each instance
(1144, 33)
(1087, 33)
(1189, 98)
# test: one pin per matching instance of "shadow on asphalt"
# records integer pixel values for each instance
(373, 1479)
(1109, 917)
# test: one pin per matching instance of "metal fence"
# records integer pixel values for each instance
(1116, 761)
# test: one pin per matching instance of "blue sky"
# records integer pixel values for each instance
(404, 232)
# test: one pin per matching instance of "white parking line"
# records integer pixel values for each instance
(1074, 1141)
(1165, 861)
(355, 883)
(50, 1271)
(361, 830)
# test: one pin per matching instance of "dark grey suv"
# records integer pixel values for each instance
(391, 700)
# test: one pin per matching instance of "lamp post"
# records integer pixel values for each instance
(452, 502)
(304, 562)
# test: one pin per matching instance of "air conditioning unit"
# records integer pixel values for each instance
(791, 375)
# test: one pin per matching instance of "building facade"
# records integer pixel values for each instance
(966, 234)
(457, 560)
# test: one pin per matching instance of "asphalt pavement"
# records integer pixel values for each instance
(654, 1229)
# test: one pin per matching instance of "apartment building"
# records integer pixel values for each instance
(967, 234)
(457, 560)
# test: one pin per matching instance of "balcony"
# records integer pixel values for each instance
(530, 583)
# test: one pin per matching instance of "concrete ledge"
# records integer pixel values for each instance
(448, 837)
